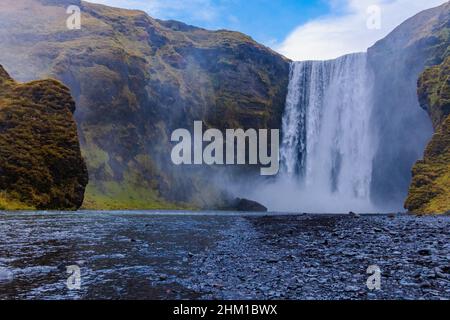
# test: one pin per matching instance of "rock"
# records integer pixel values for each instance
(351, 289)
(5, 275)
(424, 252)
(290, 257)
(425, 285)
(439, 273)
(162, 278)
(80, 262)
(51, 174)
(61, 267)
(349, 253)
(353, 214)
(406, 283)
(246, 205)
(428, 193)
(390, 59)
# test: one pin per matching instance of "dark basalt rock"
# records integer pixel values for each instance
(246, 205)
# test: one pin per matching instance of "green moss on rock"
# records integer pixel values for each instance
(430, 188)
(40, 160)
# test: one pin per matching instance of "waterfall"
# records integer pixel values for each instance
(327, 146)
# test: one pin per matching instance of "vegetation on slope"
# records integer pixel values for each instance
(40, 159)
(135, 79)
(430, 188)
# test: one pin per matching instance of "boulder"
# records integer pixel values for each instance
(246, 205)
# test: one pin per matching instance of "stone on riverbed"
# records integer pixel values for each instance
(353, 214)
(5, 275)
(246, 205)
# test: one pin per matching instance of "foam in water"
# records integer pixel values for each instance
(327, 146)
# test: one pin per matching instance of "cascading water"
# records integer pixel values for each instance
(327, 148)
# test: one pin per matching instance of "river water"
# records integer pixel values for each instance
(206, 255)
(120, 255)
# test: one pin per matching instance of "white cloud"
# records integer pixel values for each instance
(335, 35)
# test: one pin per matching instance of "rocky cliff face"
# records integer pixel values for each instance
(403, 127)
(40, 160)
(136, 79)
(430, 188)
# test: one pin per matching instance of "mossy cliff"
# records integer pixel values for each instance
(135, 79)
(403, 128)
(40, 159)
(430, 188)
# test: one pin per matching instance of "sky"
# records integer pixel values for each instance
(298, 29)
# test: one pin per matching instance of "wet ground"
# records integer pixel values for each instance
(208, 256)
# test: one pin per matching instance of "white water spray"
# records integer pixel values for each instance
(327, 147)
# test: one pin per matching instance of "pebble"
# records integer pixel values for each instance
(351, 289)
(317, 257)
(6, 275)
(424, 252)
(302, 264)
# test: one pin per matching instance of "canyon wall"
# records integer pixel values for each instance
(135, 79)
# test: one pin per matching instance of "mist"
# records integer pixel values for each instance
(285, 195)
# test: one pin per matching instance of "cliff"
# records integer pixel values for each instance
(403, 128)
(430, 189)
(135, 79)
(40, 160)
